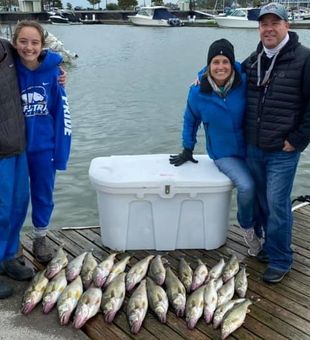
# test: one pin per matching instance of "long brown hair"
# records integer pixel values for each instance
(28, 23)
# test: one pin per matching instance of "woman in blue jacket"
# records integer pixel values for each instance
(48, 124)
(219, 104)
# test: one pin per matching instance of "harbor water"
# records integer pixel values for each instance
(127, 92)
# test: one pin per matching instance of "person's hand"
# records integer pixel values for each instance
(181, 158)
(62, 79)
(288, 147)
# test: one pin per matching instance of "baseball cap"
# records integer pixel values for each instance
(273, 8)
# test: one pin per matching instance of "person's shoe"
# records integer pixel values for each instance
(252, 241)
(262, 257)
(20, 255)
(5, 290)
(41, 250)
(273, 275)
(15, 270)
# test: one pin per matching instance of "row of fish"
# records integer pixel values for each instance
(83, 286)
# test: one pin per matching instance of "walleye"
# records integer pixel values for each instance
(137, 307)
(117, 268)
(176, 292)
(102, 271)
(231, 268)
(241, 282)
(88, 267)
(137, 272)
(185, 274)
(234, 318)
(226, 293)
(53, 290)
(113, 297)
(222, 310)
(69, 299)
(200, 275)
(157, 271)
(216, 270)
(157, 299)
(210, 301)
(194, 307)
(87, 307)
(74, 267)
(34, 292)
(56, 264)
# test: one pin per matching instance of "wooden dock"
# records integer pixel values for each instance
(282, 312)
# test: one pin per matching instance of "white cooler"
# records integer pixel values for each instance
(146, 203)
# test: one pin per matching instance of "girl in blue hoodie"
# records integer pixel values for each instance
(48, 124)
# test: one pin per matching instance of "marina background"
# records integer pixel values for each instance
(127, 92)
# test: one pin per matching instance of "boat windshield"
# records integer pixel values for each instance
(238, 13)
(148, 12)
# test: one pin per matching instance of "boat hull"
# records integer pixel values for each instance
(228, 22)
(139, 21)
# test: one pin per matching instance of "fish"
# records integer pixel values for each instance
(117, 268)
(234, 318)
(226, 292)
(74, 267)
(216, 271)
(176, 292)
(241, 282)
(69, 299)
(113, 297)
(210, 301)
(194, 307)
(87, 307)
(185, 274)
(231, 268)
(222, 310)
(137, 272)
(137, 307)
(219, 284)
(199, 276)
(34, 292)
(157, 271)
(53, 290)
(102, 271)
(57, 263)
(88, 267)
(158, 299)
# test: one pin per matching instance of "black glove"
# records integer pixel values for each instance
(181, 158)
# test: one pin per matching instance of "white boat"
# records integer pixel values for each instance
(154, 16)
(64, 17)
(239, 18)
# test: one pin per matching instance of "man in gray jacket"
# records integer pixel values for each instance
(277, 130)
(14, 187)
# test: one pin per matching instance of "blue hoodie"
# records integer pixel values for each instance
(222, 117)
(46, 109)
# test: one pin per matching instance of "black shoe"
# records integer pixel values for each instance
(273, 275)
(5, 290)
(41, 250)
(262, 256)
(15, 270)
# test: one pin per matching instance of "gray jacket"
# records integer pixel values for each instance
(12, 126)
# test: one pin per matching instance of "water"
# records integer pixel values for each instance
(127, 93)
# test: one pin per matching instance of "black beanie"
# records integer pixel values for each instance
(221, 47)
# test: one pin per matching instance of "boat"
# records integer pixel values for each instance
(155, 16)
(64, 17)
(239, 18)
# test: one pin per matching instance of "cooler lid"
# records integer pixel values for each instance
(152, 171)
